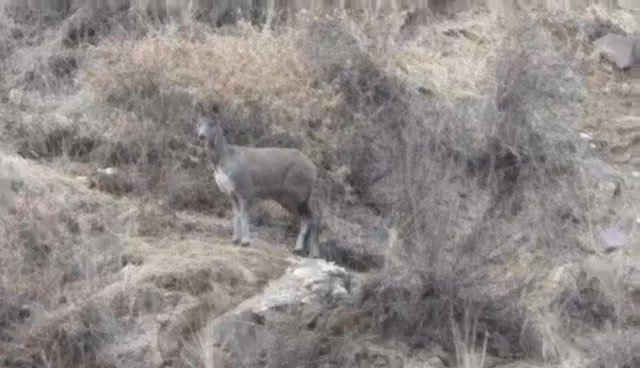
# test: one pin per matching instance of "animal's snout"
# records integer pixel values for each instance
(200, 136)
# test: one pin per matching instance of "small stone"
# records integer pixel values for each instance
(618, 50)
(108, 171)
(613, 238)
(586, 136)
(625, 89)
(342, 320)
(110, 180)
(163, 319)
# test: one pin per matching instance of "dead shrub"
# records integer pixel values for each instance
(46, 243)
(354, 256)
(420, 308)
(113, 181)
(74, 341)
(367, 98)
(587, 304)
(472, 174)
(254, 69)
(195, 190)
(46, 246)
(279, 338)
(155, 221)
(88, 26)
(12, 313)
(47, 141)
(502, 157)
(44, 69)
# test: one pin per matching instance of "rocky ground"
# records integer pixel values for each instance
(131, 282)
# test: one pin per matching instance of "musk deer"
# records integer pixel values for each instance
(246, 174)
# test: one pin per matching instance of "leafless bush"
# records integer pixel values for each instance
(597, 308)
(75, 341)
(50, 254)
(481, 182)
(278, 339)
(421, 309)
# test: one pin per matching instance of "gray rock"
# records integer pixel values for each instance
(110, 180)
(623, 51)
(309, 284)
(373, 356)
(607, 179)
(613, 238)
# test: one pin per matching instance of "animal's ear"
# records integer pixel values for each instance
(213, 125)
(207, 108)
(199, 108)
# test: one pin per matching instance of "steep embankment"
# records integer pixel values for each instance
(111, 281)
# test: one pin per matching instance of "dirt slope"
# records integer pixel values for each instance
(124, 297)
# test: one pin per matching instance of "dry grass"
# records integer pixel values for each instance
(492, 196)
(250, 68)
(468, 353)
(55, 252)
(48, 237)
(454, 60)
(459, 134)
(79, 267)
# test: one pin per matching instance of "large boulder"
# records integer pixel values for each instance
(245, 335)
(623, 51)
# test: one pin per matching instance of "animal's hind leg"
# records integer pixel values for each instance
(245, 235)
(306, 224)
(303, 236)
(312, 238)
(236, 221)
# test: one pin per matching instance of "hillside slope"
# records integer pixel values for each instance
(473, 170)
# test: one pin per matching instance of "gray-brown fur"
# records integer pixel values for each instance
(246, 174)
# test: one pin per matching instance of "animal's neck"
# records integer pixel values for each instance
(219, 150)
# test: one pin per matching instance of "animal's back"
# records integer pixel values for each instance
(280, 171)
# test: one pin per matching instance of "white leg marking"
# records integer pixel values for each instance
(304, 229)
(244, 223)
(236, 222)
(224, 183)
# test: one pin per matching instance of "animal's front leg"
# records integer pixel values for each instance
(314, 251)
(302, 236)
(244, 222)
(314, 247)
(237, 231)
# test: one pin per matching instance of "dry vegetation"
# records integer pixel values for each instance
(459, 135)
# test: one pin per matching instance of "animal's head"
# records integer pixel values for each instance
(207, 130)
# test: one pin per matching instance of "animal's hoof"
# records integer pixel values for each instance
(235, 241)
(299, 251)
(245, 242)
(314, 253)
